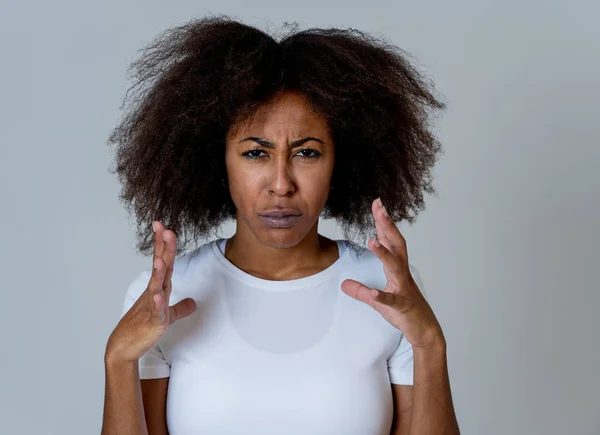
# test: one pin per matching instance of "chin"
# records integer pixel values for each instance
(280, 237)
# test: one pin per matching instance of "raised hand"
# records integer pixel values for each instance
(150, 316)
(401, 302)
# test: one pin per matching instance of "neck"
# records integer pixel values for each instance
(311, 255)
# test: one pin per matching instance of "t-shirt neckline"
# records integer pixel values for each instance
(271, 285)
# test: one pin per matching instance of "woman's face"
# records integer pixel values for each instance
(280, 159)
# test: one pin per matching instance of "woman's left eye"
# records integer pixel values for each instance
(315, 153)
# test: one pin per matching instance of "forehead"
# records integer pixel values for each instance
(288, 114)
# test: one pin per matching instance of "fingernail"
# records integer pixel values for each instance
(385, 213)
(376, 243)
(165, 236)
(380, 204)
(154, 226)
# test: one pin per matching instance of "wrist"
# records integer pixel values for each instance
(113, 359)
(436, 345)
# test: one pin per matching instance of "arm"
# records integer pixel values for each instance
(145, 318)
(123, 408)
(132, 406)
(403, 401)
(154, 395)
(402, 303)
(432, 408)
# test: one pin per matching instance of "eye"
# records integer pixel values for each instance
(314, 155)
(255, 153)
(251, 154)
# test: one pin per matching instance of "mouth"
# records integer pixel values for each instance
(284, 221)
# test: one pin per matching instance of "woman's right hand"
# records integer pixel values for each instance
(150, 316)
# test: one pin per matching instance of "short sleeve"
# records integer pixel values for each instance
(152, 364)
(401, 361)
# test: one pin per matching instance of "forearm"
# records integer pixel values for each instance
(123, 406)
(433, 411)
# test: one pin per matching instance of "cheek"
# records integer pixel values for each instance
(239, 190)
(236, 186)
(244, 189)
(318, 185)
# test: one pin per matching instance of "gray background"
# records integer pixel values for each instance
(508, 250)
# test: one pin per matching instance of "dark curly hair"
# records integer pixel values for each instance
(194, 81)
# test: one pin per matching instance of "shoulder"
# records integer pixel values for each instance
(363, 262)
(186, 268)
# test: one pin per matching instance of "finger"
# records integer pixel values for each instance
(158, 309)
(375, 297)
(159, 242)
(394, 300)
(181, 309)
(375, 209)
(386, 228)
(393, 268)
(381, 231)
(157, 278)
(168, 256)
(158, 271)
(359, 291)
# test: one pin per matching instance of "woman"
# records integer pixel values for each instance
(278, 329)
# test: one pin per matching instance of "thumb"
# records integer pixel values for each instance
(358, 291)
(181, 309)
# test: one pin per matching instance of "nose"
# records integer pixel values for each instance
(281, 180)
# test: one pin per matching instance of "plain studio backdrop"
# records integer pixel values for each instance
(508, 249)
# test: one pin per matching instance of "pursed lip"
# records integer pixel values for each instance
(280, 213)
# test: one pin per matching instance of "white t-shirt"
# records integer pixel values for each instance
(296, 357)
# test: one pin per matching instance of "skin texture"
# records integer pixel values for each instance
(280, 176)
(154, 395)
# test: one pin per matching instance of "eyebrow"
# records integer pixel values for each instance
(293, 144)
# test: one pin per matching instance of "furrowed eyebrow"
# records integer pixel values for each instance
(293, 144)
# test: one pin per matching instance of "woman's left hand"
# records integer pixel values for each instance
(401, 302)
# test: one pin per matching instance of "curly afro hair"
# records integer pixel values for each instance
(194, 81)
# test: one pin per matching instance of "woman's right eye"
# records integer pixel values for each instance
(251, 154)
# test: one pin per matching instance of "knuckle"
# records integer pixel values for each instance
(158, 263)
